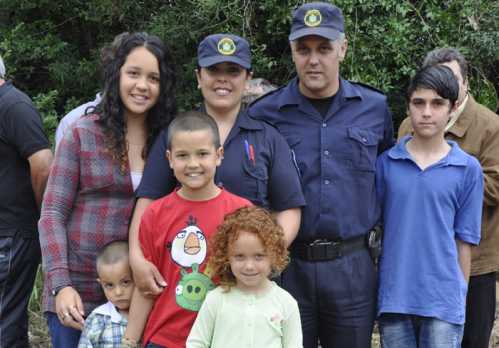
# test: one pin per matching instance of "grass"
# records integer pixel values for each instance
(38, 332)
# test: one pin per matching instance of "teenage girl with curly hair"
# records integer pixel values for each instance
(247, 307)
(98, 164)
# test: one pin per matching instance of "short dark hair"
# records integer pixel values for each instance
(113, 252)
(438, 78)
(193, 121)
(447, 55)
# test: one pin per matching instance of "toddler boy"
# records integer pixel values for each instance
(106, 325)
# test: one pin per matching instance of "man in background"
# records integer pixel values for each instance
(25, 160)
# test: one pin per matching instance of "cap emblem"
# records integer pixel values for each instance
(226, 46)
(312, 18)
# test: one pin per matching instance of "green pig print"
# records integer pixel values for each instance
(192, 289)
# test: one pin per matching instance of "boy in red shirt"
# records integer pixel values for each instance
(174, 234)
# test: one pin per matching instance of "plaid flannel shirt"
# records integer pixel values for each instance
(88, 202)
(104, 328)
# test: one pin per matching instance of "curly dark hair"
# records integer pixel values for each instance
(253, 220)
(111, 109)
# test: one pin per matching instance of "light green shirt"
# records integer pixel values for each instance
(238, 319)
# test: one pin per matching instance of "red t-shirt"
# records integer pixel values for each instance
(173, 235)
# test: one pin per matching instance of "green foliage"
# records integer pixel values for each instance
(51, 48)
(45, 103)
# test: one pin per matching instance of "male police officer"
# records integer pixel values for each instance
(336, 129)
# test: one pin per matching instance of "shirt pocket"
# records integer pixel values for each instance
(255, 182)
(96, 171)
(364, 144)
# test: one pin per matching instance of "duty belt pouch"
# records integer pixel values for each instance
(374, 238)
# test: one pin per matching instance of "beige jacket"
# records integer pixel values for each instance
(477, 132)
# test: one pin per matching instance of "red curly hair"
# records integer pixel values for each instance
(253, 220)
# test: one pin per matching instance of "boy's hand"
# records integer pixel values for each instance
(147, 278)
(69, 308)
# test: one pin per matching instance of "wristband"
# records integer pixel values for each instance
(55, 291)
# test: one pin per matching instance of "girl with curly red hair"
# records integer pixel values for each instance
(247, 307)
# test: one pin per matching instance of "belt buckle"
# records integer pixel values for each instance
(320, 242)
(323, 249)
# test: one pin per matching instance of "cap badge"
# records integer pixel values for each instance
(226, 46)
(312, 18)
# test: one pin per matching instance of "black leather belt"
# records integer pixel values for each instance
(323, 249)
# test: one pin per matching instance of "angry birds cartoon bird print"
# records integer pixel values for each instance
(189, 245)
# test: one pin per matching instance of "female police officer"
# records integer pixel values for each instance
(257, 163)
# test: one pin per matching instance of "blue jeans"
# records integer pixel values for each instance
(153, 345)
(411, 331)
(60, 335)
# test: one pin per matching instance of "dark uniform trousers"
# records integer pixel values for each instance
(337, 299)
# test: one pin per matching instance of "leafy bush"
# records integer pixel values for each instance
(52, 48)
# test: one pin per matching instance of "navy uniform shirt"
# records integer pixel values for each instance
(257, 165)
(336, 155)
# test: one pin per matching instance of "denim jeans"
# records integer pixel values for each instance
(19, 258)
(60, 335)
(153, 345)
(411, 331)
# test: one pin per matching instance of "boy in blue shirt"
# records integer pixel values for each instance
(431, 194)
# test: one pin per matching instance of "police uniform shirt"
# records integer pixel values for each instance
(336, 154)
(257, 165)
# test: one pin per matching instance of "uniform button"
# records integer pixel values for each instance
(326, 152)
(220, 184)
(364, 140)
(327, 182)
(324, 125)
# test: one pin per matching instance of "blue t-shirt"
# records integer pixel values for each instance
(257, 165)
(336, 154)
(424, 212)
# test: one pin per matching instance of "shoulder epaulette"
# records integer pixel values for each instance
(367, 86)
(266, 95)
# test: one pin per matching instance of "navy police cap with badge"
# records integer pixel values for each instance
(219, 48)
(317, 18)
